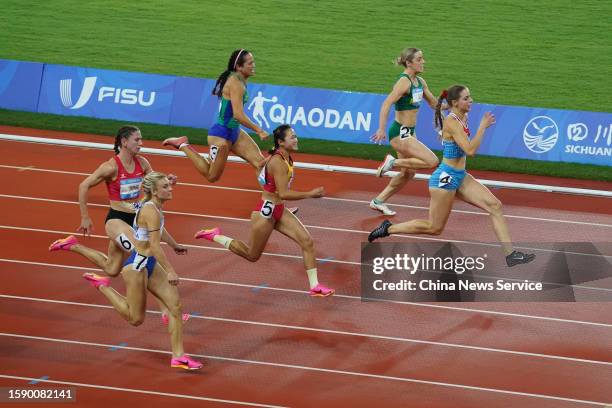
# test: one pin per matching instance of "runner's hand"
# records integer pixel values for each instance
(263, 135)
(180, 250)
(172, 178)
(379, 137)
(317, 192)
(487, 120)
(86, 227)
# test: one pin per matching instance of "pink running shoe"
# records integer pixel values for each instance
(321, 290)
(208, 234)
(175, 142)
(64, 243)
(96, 280)
(185, 362)
(166, 319)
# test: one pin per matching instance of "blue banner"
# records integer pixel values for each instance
(194, 104)
(106, 94)
(20, 84)
(535, 133)
(315, 113)
(528, 133)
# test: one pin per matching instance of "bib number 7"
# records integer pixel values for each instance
(140, 261)
(267, 208)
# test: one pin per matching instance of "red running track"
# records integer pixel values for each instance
(263, 339)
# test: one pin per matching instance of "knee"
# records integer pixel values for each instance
(136, 320)
(254, 257)
(175, 309)
(432, 161)
(495, 207)
(307, 243)
(436, 230)
(213, 177)
(113, 272)
(403, 176)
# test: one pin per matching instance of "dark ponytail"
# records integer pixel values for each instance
(279, 136)
(124, 133)
(438, 119)
(236, 59)
(451, 94)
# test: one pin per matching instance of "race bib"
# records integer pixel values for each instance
(417, 96)
(406, 132)
(213, 152)
(130, 188)
(445, 179)
(140, 261)
(124, 242)
(267, 208)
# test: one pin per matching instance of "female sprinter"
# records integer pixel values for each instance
(270, 214)
(407, 95)
(450, 178)
(123, 175)
(225, 134)
(148, 268)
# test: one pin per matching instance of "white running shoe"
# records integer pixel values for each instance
(382, 207)
(385, 166)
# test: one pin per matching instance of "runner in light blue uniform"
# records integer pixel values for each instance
(450, 179)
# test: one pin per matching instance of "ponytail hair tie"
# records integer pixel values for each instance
(444, 94)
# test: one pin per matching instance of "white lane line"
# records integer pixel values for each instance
(316, 369)
(348, 200)
(415, 304)
(411, 237)
(64, 233)
(138, 391)
(335, 332)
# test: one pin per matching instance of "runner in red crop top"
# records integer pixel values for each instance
(123, 175)
(271, 214)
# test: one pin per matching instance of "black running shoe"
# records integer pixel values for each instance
(516, 258)
(380, 232)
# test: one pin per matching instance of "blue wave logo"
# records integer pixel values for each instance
(540, 134)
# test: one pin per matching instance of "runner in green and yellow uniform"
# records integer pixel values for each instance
(225, 135)
(408, 93)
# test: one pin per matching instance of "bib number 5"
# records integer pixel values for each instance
(267, 209)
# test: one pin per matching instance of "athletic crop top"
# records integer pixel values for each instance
(141, 233)
(412, 99)
(451, 149)
(226, 113)
(267, 180)
(127, 185)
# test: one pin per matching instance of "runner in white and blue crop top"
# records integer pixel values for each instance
(450, 178)
(160, 278)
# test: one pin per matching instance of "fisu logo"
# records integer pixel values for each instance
(124, 96)
(86, 92)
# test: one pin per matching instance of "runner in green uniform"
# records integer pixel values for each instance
(407, 95)
(225, 135)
